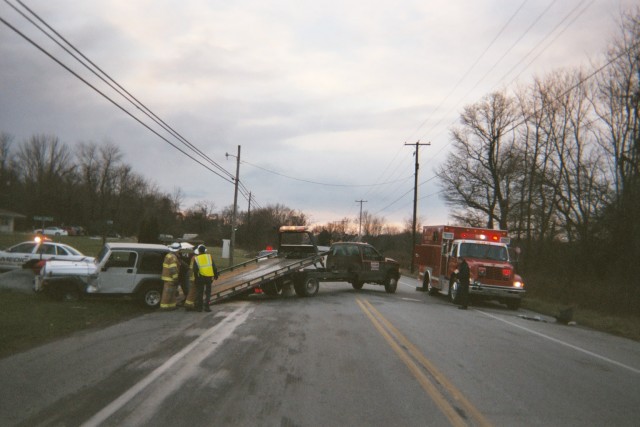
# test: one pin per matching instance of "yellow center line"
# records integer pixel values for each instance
(396, 339)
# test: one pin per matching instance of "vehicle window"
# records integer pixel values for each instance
(22, 248)
(68, 250)
(47, 249)
(454, 250)
(369, 253)
(124, 259)
(62, 251)
(339, 251)
(352, 251)
(103, 253)
(151, 263)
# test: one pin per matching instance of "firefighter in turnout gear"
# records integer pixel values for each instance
(170, 272)
(203, 272)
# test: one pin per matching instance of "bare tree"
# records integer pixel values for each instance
(481, 170)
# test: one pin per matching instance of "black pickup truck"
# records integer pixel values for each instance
(353, 262)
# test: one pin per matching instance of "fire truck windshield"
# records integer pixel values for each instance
(484, 251)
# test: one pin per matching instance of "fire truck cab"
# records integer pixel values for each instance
(486, 251)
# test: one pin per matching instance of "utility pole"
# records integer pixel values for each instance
(235, 207)
(415, 201)
(360, 224)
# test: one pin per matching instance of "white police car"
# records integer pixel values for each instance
(28, 254)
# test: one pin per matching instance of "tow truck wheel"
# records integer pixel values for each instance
(308, 288)
(391, 284)
(151, 296)
(454, 285)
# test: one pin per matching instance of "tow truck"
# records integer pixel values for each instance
(486, 251)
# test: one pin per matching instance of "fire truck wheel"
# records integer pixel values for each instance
(357, 284)
(427, 284)
(390, 285)
(454, 285)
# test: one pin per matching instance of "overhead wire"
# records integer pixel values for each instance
(111, 82)
(101, 93)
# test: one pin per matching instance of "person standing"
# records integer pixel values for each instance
(184, 256)
(463, 278)
(170, 275)
(203, 272)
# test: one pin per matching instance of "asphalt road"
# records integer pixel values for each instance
(342, 358)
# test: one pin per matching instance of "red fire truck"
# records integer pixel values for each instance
(486, 251)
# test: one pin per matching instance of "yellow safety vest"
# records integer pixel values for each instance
(205, 265)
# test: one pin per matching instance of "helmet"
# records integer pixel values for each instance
(174, 247)
(201, 249)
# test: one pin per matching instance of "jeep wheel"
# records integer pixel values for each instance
(307, 288)
(357, 284)
(391, 284)
(151, 296)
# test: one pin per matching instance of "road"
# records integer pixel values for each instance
(342, 358)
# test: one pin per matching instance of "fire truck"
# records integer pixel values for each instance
(493, 276)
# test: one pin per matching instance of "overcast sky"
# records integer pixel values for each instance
(320, 95)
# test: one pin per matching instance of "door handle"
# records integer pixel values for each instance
(130, 270)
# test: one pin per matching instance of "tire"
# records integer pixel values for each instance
(357, 284)
(391, 284)
(454, 285)
(427, 284)
(151, 295)
(308, 287)
(273, 288)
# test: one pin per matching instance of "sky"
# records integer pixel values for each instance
(326, 99)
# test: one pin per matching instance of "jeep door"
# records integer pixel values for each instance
(118, 276)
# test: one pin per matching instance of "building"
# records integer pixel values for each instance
(7, 220)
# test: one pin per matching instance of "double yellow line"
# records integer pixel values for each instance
(445, 395)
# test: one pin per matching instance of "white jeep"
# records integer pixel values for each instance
(120, 269)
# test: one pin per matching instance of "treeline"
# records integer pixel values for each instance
(91, 186)
(556, 162)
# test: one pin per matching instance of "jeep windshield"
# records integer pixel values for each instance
(484, 251)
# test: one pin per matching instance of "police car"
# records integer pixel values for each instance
(28, 254)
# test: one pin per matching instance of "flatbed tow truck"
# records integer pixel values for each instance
(299, 263)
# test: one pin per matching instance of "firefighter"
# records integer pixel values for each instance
(170, 274)
(203, 272)
(463, 278)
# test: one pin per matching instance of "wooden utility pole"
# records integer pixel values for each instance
(360, 223)
(415, 201)
(235, 207)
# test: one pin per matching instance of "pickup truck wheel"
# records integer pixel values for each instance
(151, 296)
(357, 284)
(391, 284)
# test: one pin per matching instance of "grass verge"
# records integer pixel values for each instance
(623, 326)
(28, 320)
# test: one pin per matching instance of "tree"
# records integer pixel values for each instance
(480, 174)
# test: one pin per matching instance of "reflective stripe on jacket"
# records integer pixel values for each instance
(170, 268)
(205, 265)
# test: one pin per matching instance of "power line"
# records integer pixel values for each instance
(37, 46)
